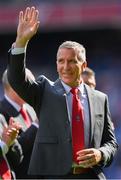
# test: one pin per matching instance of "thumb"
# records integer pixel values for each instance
(11, 120)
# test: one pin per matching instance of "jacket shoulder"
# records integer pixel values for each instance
(100, 93)
(95, 92)
(44, 79)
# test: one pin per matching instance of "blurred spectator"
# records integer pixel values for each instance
(89, 77)
(13, 105)
(9, 147)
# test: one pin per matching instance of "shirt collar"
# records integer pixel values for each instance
(68, 88)
(14, 104)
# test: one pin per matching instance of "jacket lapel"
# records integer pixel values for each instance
(90, 96)
(59, 87)
(62, 93)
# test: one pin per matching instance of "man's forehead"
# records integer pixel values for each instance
(66, 51)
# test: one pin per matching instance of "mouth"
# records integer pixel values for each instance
(67, 74)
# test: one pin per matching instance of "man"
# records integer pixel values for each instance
(55, 153)
(9, 145)
(14, 106)
(11, 104)
(89, 77)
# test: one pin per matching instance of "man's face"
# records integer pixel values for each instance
(69, 66)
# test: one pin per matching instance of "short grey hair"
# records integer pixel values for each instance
(76, 46)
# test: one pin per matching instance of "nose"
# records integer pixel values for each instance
(66, 66)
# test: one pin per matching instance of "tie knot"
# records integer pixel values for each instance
(74, 91)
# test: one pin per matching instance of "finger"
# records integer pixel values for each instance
(85, 151)
(9, 132)
(84, 157)
(15, 133)
(12, 130)
(32, 12)
(21, 16)
(35, 16)
(17, 125)
(26, 14)
(86, 163)
(12, 133)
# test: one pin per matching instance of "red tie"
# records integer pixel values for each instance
(4, 170)
(77, 124)
(25, 116)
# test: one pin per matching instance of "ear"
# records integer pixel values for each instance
(84, 66)
(57, 66)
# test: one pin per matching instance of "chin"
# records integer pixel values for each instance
(67, 81)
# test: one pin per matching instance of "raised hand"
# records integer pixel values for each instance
(27, 26)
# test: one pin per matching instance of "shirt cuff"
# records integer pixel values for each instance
(4, 147)
(16, 51)
(35, 124)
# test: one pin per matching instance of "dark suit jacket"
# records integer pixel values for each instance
(52, 153)
(26, 138)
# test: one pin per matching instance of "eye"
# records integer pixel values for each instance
(73, 61)
(60, 61)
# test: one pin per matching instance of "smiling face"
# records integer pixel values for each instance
(69, 66)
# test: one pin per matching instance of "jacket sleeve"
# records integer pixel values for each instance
(109, 144)
(15, 155)
(29, 90)
(27, 138)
